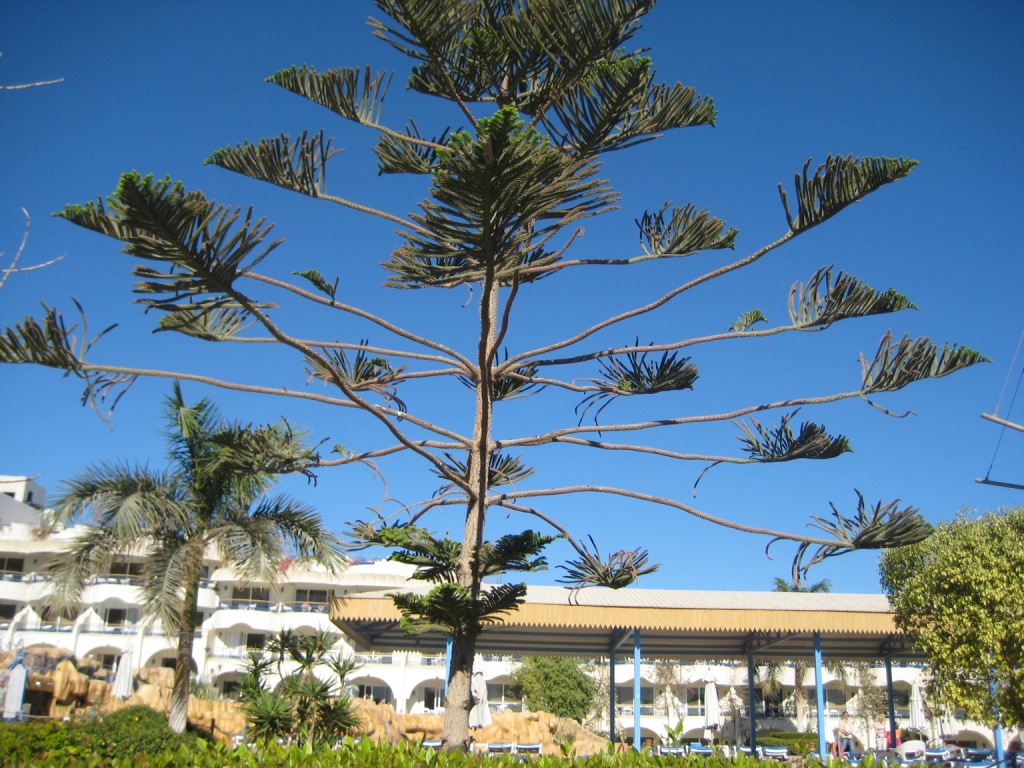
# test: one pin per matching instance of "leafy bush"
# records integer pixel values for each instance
(126, 734)
(798, 743)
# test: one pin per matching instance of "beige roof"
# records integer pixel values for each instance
(671, 623)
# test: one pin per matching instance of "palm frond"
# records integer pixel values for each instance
(898, 364)
(354, 93)
(90, 552)
(824, 300)
(268, 449)
(299, 165)
(364, 373)
(127, 502)
(781, 444)
(683, 232)
(838, 182)
(173, 565)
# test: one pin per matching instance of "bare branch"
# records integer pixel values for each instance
(611, 491)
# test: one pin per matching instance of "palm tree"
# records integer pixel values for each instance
(210, 502)
(771, 672)
(304, 707)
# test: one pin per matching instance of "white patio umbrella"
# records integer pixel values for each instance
(17, 677)
(712, 712)
(123, 677)
(917, 721)
(480, 714)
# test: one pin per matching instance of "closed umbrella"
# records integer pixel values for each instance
(917, 721)
(712, 712)
(123, 677)
(480, 714)
(17, 677)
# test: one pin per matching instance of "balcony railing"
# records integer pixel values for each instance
(111, 629)
(48, 626)
(25, 577)
(373, 658)
(109, 578)
(264, 605)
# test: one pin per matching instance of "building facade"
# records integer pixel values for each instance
(235, 618)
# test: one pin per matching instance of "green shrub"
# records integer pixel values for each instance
(122, 735)
(798, 743)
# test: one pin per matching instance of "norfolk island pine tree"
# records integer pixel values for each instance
(545, 88)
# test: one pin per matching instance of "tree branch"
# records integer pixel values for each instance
(546, 492)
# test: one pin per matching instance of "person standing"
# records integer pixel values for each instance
(881, 734)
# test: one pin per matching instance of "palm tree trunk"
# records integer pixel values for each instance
(178, 717)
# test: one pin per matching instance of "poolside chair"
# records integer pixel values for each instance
(749, 751)
(938, 754)
(526, 750)
(779, 754)
(431, 744)
(701, 750)
(499, 748)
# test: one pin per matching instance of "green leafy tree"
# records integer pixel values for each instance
(212, 499)
(308, 705)
(556, 684)
(958, 595)
(544, 90)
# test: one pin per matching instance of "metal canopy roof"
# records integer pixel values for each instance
(673, 624)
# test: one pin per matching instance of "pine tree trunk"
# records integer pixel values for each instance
(458, 700)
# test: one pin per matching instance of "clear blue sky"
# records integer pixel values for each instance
(157, 87)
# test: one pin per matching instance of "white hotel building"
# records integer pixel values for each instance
(235, 618)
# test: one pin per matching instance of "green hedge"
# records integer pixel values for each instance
(798, 743)
(122, 735)
(201, 754)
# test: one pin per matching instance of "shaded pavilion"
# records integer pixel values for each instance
(665, 624)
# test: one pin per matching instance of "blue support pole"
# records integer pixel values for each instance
(447, 663)
(752, 701)
(637, 698)
(819, 692)
(892, 700)
(997, 732)
(611, 698)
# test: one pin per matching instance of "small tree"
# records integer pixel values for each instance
(958, 595)
(211, 500)
(544, 89)
(303, 707)
(556, 684)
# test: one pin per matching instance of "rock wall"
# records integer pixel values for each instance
(71, 691)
